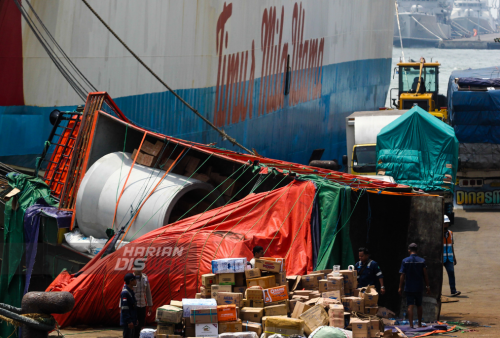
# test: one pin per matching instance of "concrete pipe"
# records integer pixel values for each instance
(103, 182)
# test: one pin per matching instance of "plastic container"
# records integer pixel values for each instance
(336, 269)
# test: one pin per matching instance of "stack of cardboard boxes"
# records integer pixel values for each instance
(240, 301)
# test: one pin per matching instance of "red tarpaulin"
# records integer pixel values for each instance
(179, 253)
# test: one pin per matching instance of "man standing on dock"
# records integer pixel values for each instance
(449, 259)
(143, 296)
(128, 306)
(369, 271)
(413, 273)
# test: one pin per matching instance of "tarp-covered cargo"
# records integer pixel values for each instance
(418, 150)
(475, 116)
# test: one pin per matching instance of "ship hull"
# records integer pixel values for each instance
(469, 24)
(228, 60)
(420, 30)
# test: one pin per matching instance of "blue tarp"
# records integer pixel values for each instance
(475, 115)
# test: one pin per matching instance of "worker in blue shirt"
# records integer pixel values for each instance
(413, 274)
(128, 307)
(368, 271)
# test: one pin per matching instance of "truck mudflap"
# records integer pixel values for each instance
(477, 194)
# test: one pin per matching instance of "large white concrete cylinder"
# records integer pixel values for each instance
(103, 182)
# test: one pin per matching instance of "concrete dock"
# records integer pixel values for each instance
(485, 41)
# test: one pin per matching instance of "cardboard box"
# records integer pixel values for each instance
(336, 315)
(311, 282)
(165, 329)
(205, 291)
(374, 328)
(176, 303)
(234, 326)
(227, 279)
(226, 298)
(284, 326)
(252, 314)
(276, 310)
(203, 316)
(229, 265)
(265, 265)
(350, 278)
(240, 289)
(353, 304)
(314, 318)
(254, 293)
(189, 304)
(207, 330)
(332, 295)
(311, 302)
(252, 327)
(168, 336)
(303, 293)
(246, 303)
(266, 317)
(198, 296)
(371, 310)
(169, 314)
(385, 313)
(152, 149)
(299, 309)
(239, 279)
(226, 313)
(209, 279)
(337, 282)
(280, 278)
(281, 302)
(275, 294)
(216, 288)
(325, 286)
(325, 302)
(360, 328)
(279, 260)
(252, 273)
(258, 303)
(264, 282)
(301, 298)
(293, 282)
(370, 296)
(144, 159)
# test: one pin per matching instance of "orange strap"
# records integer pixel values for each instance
(437, 331)
(152, 191)
(130, 170)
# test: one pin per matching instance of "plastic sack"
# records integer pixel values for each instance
(147, 333)
(81, 243)
(330, 332)
(239, 335)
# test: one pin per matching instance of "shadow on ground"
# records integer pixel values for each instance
(463, 224)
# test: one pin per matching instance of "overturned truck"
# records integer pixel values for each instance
(180, 204)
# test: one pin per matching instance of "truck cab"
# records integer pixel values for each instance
(419, 85)
(362, 129)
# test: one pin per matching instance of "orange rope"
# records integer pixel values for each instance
(129, 172)
(152, 191)
(437, 331)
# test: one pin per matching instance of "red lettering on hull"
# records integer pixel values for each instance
(236, 73)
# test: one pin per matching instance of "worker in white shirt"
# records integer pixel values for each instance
(143, 296)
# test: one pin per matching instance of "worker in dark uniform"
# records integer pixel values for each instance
(369, 271)
(128, 307)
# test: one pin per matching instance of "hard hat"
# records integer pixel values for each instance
(446, 219)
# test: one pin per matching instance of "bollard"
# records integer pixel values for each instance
(44, 303)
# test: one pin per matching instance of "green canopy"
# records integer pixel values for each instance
(12, 277)
(334, 201)
(418, 150)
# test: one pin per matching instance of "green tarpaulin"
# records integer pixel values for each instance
(334, 212)
(12, 277)
(418, 150)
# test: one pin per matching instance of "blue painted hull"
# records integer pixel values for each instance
(290, 133)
